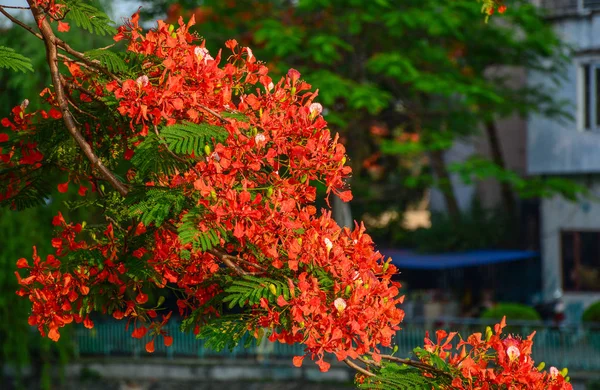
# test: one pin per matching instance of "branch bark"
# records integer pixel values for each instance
(51, 42)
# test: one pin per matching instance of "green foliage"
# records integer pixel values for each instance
(475, 229)
(188, 138)
(409, 66)
(512, 311)
(478, 168)
(36, 193)
(201, 240)
(152, 156)
(156, 204)
(10, 59)
(89, 17)
(112, 61)
(399, 377)
(592, 313)
(250, 290)
(224, 332)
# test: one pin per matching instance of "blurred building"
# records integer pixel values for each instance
(570, 231)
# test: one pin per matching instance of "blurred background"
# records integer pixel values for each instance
(475, 149)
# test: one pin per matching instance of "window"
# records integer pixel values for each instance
(589, 97)
(591, 4)
(580, 260)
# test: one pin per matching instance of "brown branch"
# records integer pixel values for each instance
(228, 261)
(18, 22)
(358, 368)
(212, 112)
(50, 41)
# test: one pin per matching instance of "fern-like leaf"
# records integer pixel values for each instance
(188, 138)
(250, 290)
(152, 157)
(190, 234)
(89, 18)
(10, 59)
(157, 205)
(224, 332)
(110, 60)
(393, 376)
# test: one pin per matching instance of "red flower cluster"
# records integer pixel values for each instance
(254, 192)
(492, 361)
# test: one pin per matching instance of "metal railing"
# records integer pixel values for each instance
(575, 347)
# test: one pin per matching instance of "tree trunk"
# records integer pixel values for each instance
(445, 185)
(342, 213)
(508, 198)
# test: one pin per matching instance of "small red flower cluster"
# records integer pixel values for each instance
(492, 361)
(21, 153)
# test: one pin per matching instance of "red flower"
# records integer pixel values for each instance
(63, 27)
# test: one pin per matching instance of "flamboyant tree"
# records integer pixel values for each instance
(204, 169)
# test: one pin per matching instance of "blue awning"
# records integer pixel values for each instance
(405, 259)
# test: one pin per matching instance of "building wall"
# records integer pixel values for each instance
(558, 215)
(562, 147)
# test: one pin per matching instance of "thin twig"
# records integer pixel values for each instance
(212, 112)
(50, 41)
(358, 368)
(82, 90)
(416, 364)
(72, 103)
(13, 7)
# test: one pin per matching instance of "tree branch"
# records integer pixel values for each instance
(18, 22)
(50, 41)
(416, 364)
(358, 368)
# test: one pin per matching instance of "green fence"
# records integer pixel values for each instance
(577, 347)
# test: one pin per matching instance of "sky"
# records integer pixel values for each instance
(121, 9)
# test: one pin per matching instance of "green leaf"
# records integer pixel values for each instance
(188, 138)
(108, 59)
(156, 205)
(89, 18)
(10, 59)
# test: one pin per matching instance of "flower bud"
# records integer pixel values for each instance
(348, 290)
(488, 333)
(171, 28)
(541, 366)
(273, 289)
(207, 149)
